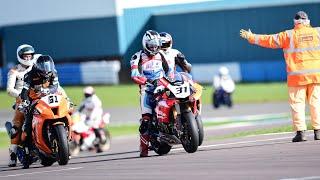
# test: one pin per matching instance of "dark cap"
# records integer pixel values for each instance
(301, 15)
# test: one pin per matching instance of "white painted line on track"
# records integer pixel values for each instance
(246, 117)
(303, 178)
(235, 143)
(57, 170)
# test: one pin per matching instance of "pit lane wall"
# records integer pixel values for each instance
(206, 31)
(94, 72)
(107, 72)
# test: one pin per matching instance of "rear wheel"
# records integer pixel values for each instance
(200, 128)
(62, 142)
(190, 137)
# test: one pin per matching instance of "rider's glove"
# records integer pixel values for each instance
(139, 80)
(245, 34)
(22, 107)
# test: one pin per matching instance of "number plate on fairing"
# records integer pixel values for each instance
(52, 100)
(180, 91)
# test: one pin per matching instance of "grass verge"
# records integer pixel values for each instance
(4, 140)
(280, 129)
(128, 95)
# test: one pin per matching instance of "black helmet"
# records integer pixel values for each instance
(166, 40)
(44, 66)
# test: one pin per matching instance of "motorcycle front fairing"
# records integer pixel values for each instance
(49, 110)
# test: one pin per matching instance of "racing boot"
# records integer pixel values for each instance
(144, 135)
(144, 145)
(13, 155)
(316, 134)
(300, 136)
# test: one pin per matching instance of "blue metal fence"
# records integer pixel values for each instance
(263, 71)
(102, 72)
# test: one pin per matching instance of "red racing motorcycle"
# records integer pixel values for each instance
(85, 139)
(176, 118)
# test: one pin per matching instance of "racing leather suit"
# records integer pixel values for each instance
(14, 88)
(146, 68)
(91, 107)
(33, 89)
(174, 58)
(223, 82)
(91, 113)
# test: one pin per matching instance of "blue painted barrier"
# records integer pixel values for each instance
(263, 71)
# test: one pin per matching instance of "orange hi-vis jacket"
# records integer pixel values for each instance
(301, 48)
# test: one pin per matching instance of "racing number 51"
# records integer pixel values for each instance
(53, 99)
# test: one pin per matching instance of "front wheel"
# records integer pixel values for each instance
(104, 143)
(190, 137)
(62, 142)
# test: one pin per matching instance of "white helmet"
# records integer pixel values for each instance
(151, 42)
(36, 56)
(301, 17)
(88, 91)
(223, 71)
(166, 41)
(25, 49)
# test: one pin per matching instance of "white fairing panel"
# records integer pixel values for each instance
(52, 100)
(180, 91)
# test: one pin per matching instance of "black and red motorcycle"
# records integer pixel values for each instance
(177, 116)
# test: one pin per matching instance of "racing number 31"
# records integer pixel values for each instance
(53, 99)
(182, 89)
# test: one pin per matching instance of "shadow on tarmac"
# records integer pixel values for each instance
(136, 157)
(102, 154)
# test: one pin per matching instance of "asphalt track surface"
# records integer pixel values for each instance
(255, 157)
(132, 115)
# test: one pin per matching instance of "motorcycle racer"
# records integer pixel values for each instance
(26, 57)
(147, 65)
(174, 57)
(91, 108)
(41, 80)
(223, 86)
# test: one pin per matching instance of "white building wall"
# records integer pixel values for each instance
(13, 12)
